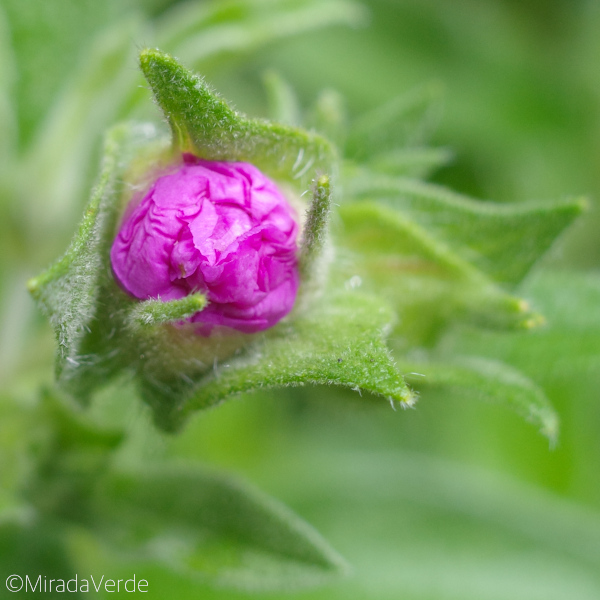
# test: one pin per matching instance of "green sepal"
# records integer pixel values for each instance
(314, 234)
(156, 312)
(205, 125)
(339, 341)
(86, 307)
(78, 292)
(214, 530)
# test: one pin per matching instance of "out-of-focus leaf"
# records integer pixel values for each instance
(563, 359)
(432, 528)
(411, 162)
(48, 40)
(567, 349)
(328, 116)
(235, 27)
(339, 342)
(211, 528)
(490, 381)
(65, 142)
(8, 120)
(282, 100)
(422, 276)
(70, 453)
(502, 240)
(15, 433)
(405, 121)
(204, 124)
(34, 548)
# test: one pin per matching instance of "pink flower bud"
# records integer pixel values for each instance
(220, 228)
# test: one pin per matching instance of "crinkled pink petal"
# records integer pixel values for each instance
(220, 228)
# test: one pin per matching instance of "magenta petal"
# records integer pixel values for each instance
(274, 306)
(216, 227)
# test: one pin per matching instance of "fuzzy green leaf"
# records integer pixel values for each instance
(337, 340)
(502, 240)
(203, 124)
(212, 529)
(340, 342)
(68, 291)
(490, 381)
(78, 293)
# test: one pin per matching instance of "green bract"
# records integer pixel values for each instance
(408, 258)
(101, 331)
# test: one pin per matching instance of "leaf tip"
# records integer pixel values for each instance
(534, 321)
(149, 56)
(323, 181)
(581, 204)
(407, 399)
(550, 428)
(33, 285)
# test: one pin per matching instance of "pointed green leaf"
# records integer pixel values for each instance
(502, 240)
(424, 279)
(203, 124)
(339, 342)
(68, 289)
(212, 529)
(490, 381)
(314, 234)
(156, 312)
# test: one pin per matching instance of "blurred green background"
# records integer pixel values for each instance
(453, 500)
